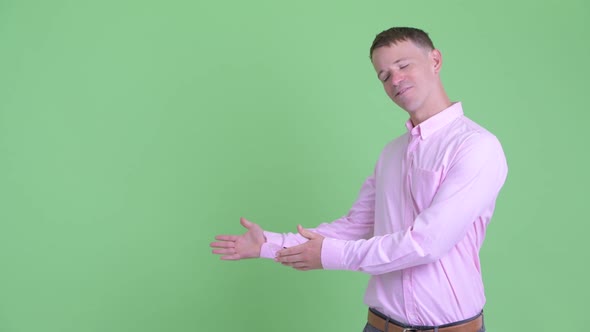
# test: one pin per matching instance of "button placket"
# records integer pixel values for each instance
(409, 300)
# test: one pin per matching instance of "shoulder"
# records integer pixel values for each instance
(471, 134)
(393, 150)
(476, 147)
(397, 144)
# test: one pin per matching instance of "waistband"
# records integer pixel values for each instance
(384, 323)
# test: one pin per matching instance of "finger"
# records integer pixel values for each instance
(298, 265)
(290, 259)
(226, 237)
(293, 264)
(224, 244)
(229, 251)
(302, 268)
(290, 251)
(306, 233)
(246, 223)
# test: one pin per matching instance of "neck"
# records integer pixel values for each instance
(439, 103)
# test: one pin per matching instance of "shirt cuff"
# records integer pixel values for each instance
(332, 250)
(274, 243)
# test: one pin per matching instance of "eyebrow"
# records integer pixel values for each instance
(396, 61)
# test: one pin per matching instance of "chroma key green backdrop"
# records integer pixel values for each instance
(132, 132)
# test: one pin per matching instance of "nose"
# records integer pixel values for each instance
(397, 78)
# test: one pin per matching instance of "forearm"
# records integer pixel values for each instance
(377, 255)
(357, 224)
(345, 228)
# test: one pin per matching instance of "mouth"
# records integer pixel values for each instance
(402, 91)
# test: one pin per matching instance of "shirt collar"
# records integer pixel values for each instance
(435, 122)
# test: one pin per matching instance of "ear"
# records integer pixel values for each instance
(436, 57)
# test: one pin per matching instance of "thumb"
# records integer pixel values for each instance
(247, 224)
(306, 233)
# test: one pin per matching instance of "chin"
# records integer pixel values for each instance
(406, 107)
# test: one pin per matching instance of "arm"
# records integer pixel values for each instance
(357, 224)
(470, 187)
(258, 243)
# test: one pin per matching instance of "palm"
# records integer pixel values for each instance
(248, 245)
(235, 247)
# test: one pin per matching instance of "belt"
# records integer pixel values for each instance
(472, 325)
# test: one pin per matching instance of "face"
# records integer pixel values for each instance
(409, 74)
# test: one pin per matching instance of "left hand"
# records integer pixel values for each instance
(306, 256)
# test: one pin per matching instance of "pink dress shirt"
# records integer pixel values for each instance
(419, 222)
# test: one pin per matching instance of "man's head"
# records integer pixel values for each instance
(398, 34)
(408, 65)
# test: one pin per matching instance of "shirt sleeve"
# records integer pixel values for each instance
(357, 224)
(467, 192)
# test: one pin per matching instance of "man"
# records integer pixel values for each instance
(420, 218)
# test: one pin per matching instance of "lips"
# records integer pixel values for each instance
(402, 91)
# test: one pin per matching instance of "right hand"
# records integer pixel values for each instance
(235, 247)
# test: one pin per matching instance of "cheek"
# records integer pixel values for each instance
(388, 90)
(426, 77)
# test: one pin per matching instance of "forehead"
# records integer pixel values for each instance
(394, 52)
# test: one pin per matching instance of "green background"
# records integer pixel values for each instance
(133, 132)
